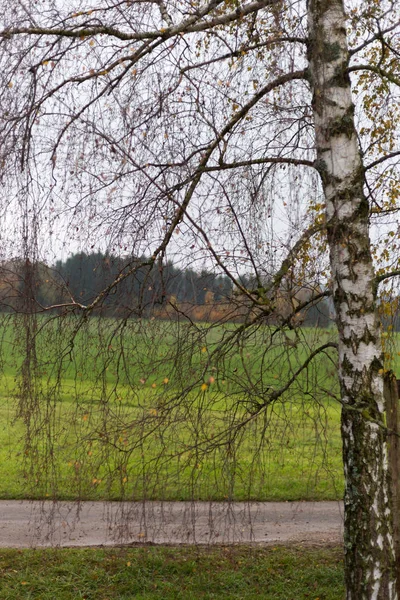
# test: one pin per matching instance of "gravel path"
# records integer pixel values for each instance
(26, 524)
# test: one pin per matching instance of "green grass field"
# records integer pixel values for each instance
(107, 410)
(152, 409)
(224, 573)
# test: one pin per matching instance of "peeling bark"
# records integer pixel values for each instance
(369, 552)
(393, 424)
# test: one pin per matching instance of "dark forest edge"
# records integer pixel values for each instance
(163, 291)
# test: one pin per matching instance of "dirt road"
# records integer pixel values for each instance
(33, 524)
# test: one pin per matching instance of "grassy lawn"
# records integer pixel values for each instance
(156, 410)
(153, 410)
(187, 573)
(291, 460)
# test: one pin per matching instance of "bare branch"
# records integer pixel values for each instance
(378, 70)
(382, 159)
(384, 276)
(191, 25)
(378, 36)
(164, 13)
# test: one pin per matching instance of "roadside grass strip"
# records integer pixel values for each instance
(170, 573)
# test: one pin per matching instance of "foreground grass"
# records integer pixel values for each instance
(298, 459)
(154, 410)
(187, 573)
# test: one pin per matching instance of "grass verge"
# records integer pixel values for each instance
(297, 456)
(109, 410)
(170, 573)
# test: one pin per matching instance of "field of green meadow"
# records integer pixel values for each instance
(110, 410)
(155, 410)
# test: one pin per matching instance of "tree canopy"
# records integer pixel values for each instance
(258, 137)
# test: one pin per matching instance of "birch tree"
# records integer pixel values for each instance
(342, 174)
(261, 136)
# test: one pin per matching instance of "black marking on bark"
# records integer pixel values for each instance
(341, 77)
(330, 51)
(342, 125)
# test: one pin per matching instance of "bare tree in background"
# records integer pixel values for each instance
(229, 133)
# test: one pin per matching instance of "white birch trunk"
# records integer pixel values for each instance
(369, 554)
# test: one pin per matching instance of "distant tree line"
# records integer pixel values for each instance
(163, 291)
